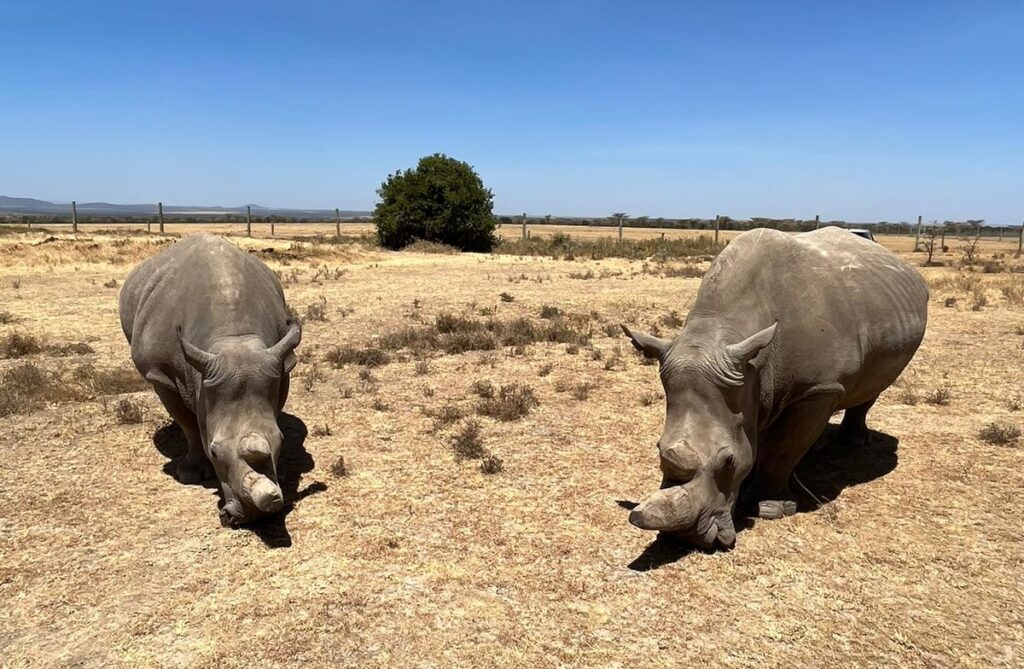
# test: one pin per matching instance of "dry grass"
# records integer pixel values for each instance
(402, 557)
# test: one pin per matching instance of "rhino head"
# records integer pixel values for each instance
(237, 407)
(708, 443)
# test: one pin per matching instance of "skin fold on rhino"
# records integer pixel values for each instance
(785, 331)
(209, 329)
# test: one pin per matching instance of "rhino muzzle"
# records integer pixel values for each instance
(675, 510)
(265, 494)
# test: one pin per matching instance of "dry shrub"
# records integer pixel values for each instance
(483, 388)
(978, 299)
(506, 297)
(549, 312)
(467, 443)
(422, 368)
(426, 246)
(682, 271)
(26, 388)
(129, 411)
(491, 464)
(7, 318)
(512, 402)
(446, 416)
(672, 319)
(321, 430)
(110, 284)
(907, 396)
(581, 391)
(117, 381)
(1000, 434)
(545, 369)
(1013, 293)
(317, 311)
(341, 356)
(649, 397)
(380, 405)
(340, 468)
(940, 396)
(949, 302)
(65, 350)
(17, 345)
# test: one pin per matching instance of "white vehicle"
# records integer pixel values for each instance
(861, 232)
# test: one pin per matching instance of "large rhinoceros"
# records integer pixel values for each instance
(209, 329)
(785, 331)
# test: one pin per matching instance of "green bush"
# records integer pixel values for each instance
(441, 200)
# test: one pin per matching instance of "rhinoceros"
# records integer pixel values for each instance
(209, 329)
(785, 331)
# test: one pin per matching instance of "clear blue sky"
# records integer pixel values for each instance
(857, 110)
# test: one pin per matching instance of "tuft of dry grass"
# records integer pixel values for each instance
(940, 396)
(491, 464)
(19, 345)
(340, 356)
(1000, 434)
(512, 402)
(129, 411)
(7, 318)
(468, 443)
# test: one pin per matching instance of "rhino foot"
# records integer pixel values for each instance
(191, 472)
(775, 508)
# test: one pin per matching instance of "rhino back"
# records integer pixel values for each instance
(207, 286)
(850, 312)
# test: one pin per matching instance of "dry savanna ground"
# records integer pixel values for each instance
(454, 506)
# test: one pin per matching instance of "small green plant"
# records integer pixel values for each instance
(1000, 434)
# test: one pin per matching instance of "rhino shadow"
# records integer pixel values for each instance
(828, 468)
(293, 461)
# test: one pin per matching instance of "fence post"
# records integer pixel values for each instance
(817, 221)
(1000, 233)
(620, 227)
(718, 219)
(271, 227)
(524, 225)
(74, 217)
(917, 240)
(248, 220)
(160, 208)
(1020, 239)
(337, 222)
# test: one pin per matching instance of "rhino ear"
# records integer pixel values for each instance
(199, 359)
(284, 350)
(651, 346)
(745, 351)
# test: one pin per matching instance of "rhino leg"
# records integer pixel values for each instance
(193, 467)
(854, 429)
(780, 450)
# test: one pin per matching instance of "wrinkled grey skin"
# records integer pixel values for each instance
(785, 331)
(209, 329)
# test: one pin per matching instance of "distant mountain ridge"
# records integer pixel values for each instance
(27, 206)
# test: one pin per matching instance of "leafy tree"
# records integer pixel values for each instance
(441, 200)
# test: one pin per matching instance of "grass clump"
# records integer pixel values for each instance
(467, 443)
(491, 464)
(562, 246)
(939, 397)
(513, 401)
(129, 411)
(483, 388)
(7, 318)
(340, 468)
(341, 356)
(1000, 434)
(17, 345)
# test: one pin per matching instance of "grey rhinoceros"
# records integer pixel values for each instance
(209, 329)
(785, 331)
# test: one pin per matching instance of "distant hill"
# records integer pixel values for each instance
(27, 206)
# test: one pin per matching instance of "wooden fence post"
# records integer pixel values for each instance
(718, 219)
(620, 217)
(817, 221)
(524, 225)
(74, 217)
(1020, 239)
(160, 208)
(337, 222)
(248, 220)
(271, 227)
(917, 240)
